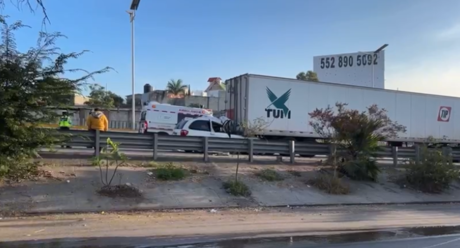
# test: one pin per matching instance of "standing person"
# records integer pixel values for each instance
(97, 121)
(65, 123)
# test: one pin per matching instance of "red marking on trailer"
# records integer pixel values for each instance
(444, 113)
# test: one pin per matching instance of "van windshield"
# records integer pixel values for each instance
(181, 124)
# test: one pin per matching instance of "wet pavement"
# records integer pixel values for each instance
(423, 237)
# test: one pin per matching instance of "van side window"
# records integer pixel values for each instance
(143, 114)
(181, 124)
(217, 127)
(200, 126)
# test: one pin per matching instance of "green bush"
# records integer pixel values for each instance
(20, 170)
(432, 173)
(170, 172)
(269, 175)
(330, 184)
(363, 168)
(236, 188)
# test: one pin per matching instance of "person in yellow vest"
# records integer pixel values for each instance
(65, 123)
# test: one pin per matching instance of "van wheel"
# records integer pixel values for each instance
(163, 133)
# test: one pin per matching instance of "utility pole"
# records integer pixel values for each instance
(132, 15)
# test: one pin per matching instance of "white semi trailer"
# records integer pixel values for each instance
(285, 103)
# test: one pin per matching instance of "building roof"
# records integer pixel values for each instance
(215, 84)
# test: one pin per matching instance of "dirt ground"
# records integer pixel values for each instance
(71, 186)
(160, 228)
(67, 169)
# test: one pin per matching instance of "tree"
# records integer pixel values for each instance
(356, 135)
(99, 97)
(176, 87)
(31, 81)
(118, 101)
(39, 4)
(309, 76)
(248, 130)
(137, 101)
(194, 105)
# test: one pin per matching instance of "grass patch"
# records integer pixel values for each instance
(170, 172)
(237, 188)
(269, 175)
(295, 173)
(21, 171)
(330, 184)
(126, 191)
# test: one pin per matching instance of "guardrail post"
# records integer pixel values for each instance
(205, 149)
(97, 145)
(394, 153)
(447, 152)
(155, 146)
(251, 150)
(332, 150)
(292, 151)
(417, 153)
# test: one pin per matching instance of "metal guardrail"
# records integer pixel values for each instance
(206, 145)
(112, 124)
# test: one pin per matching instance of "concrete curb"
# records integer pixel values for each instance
(174, 209)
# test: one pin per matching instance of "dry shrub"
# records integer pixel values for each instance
(330, 184)
(236, 188)
(170, 172)
(432, 173)
(269, 175)
(126, 190)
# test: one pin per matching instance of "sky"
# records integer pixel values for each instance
(193, 40)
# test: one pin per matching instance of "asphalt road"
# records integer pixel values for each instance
(446, 241)
(449, 241)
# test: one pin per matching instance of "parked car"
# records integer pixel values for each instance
(205, 126)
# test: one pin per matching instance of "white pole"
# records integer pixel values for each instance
(132, 15)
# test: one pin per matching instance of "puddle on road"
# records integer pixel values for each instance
(277, 242)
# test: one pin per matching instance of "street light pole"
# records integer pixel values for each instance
(133, 97)
(376, 52)
(132, 15)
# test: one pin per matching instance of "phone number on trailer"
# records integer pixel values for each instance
(348, 61)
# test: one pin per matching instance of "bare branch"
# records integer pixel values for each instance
(38, 5)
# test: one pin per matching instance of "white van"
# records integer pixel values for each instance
(162, 118)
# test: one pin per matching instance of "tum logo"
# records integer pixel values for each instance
(277, 108)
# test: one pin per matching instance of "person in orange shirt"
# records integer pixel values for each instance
(97, 121)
